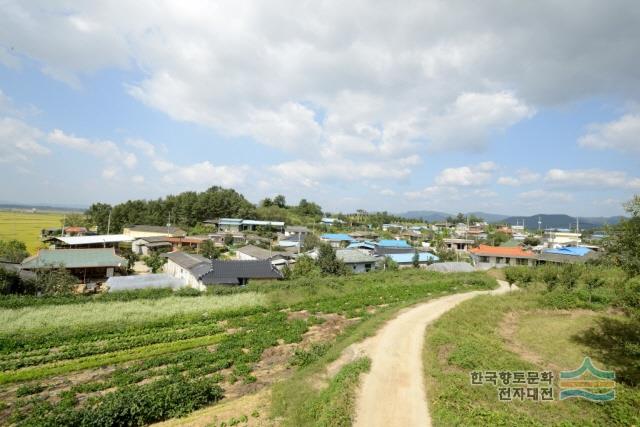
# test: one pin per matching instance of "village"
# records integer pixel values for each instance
(235, 251)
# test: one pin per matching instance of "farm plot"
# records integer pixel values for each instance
(26, 226)
(144, 365)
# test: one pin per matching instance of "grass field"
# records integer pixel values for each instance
(26, 226)
(517, 333)
(75, 362)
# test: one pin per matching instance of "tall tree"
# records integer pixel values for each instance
(623, 240)
(13, 251)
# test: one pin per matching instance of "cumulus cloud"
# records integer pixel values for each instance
(523, 176)
(473, 118)
(622, 134)
(537, 197)
(204, 174)
(19, 141)
(466, 176)
(591, 178)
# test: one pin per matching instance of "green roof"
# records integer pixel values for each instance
(74, 258)
(511, 243)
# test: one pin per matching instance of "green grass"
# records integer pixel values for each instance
(26, 227)
(24, 320)
(468, 338)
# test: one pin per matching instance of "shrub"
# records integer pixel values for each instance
(306, 357)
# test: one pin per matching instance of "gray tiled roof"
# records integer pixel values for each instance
(158, 229)
(229, 272)
(354, 256)
(186, 260)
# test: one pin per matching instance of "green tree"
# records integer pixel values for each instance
(280, 201)
(307, 208)
(511, 275)
(209, 250)
(623, 242)
(154, 262)
(531, 241)
(228, 239)
(98, 215)
(593, 280)
(310, 242)
(55, 281)
(305, 266)
(266, 202)
(568, 276)
(549, 275)
(415, 260)
(13, 251)
(389, 264)
(329, 262)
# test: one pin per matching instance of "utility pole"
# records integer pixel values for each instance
(109, 223)
(64, 219)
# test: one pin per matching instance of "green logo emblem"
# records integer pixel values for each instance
(588, 382)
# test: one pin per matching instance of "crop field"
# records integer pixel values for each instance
(25, 226)
(101, 362)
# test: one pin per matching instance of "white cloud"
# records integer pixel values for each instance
(137, 179)
(130, 160)
(523, 176)
(19, 141)
(622, 134)
(539, 197)
(591, 178)
(466, 176)
(473, 118)
(204, 174)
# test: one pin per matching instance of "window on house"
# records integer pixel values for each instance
(484, 259)
(367, 267)
(499, 260)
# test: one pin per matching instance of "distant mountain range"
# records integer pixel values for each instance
(49, 208)
(530, 222)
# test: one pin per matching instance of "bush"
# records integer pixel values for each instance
(305, 267)
(167, 398)
(306, 357)
(188, 292)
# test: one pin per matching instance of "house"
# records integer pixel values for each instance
(296, 230)
(392, 243)
(16, 267)
(239, 272)
(75, 231)
(148, 245)
(554, 238)
(337, 240)
(192, 243)
(137, 231)
(567, 255)
(392, 227)
(186, 267)
(237, 224)
(237, 238)
(486, 257)
(197, 271)
(293, 241)
(88, 242)
(461, 245)
(355, 260)
(88, 265)
(331, 221)
(255, 253)
(405, 260)
(412, 236)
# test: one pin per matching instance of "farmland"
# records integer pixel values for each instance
(26, 226)
(174, 354)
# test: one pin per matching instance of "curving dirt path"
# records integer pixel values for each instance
(392, 393)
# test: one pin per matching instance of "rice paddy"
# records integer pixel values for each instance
(26, 226)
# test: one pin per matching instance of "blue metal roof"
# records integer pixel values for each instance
(393, 244)
(408, 257)
(569, 250)
(337, 236)
(366, 245)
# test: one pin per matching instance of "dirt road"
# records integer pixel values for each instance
(392, 393)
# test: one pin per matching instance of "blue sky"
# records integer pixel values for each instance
(407, 106)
